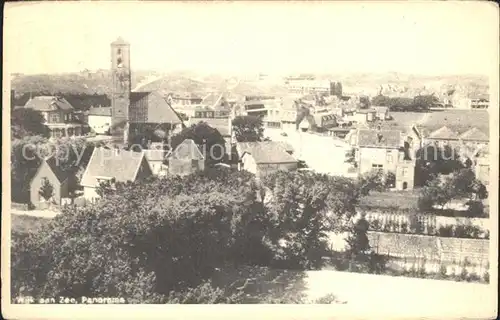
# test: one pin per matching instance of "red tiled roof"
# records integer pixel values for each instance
(119, 164)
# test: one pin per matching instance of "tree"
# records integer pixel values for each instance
(357, 241)
(433, 160)
(208, 139)
(460, 184)
(303, 207)
(27, 122)
(248, 128)
(381, 100)
(425, 102)
(46, 190)
(390, 180)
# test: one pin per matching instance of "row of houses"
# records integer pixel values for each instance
(108, 164)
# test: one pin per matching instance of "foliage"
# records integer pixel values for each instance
(390, 180)
(248, 128)
(204, 294)
(418, 103)
(27, 154)
(357, 241)
(460, 184)
(304, 206)
(27, 122)
(208, 139)
(46, 190)
(371, 181)
(433, 160)
(150, 241)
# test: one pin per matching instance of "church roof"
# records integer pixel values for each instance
(151, 107)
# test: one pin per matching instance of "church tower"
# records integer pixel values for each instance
(121, 87)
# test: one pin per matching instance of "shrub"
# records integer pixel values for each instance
(327, 299)
(473, 277)
(205, 293)
(446, 231)
(486, 276)
(375, 225)
(442, 271)
(404, 227)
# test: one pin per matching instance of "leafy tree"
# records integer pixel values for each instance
(433, 160)
(381, 100)
(208, 139)
(357, 241)
(27, 122)
(460, 184)
(303, 207)
(248, 128)
(425, 102)
(390, 180)
(46, 190)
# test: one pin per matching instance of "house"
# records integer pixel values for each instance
(156, 159)
(261, 158)
(58, 115)
(384, 150)
(99, 119)
(186, 159)
(474, 136)
(50, 173)
(114, 165)
(443, 136)
(215, 118)
(381, 113)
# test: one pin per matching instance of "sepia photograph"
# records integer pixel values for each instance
(258, 159)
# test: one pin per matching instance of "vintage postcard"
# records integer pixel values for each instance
(257, 159)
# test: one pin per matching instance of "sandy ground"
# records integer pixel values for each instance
(388, 296)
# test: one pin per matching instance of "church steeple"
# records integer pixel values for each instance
(121, 87)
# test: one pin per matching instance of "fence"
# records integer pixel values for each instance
(428, 224)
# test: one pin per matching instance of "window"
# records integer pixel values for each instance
(54, 118)
(388, 157)
(404, 172)
(377, 166)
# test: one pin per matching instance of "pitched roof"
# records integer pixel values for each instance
(60, 174)
(113, 163)
(158, 110)
(379, 138)
(102, 111)
(48, 103)
(474, 134)
(444, 133)
(119, 41)
(457, 120)
(265, 152)
(187, 150)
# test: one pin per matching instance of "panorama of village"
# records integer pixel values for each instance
(171, 188)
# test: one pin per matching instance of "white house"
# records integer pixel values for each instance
(99, 119)
(113, 165)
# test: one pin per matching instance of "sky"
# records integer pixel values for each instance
(275, 37)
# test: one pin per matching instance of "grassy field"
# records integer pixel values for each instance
(25, 223)
(391, 199)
